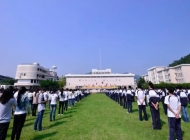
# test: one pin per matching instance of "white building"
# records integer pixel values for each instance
(31, 74)
(153, 74)
(145, 77)
(99, 79)
(176, 74)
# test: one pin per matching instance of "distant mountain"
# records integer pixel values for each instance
(89, 73)
(136, 75)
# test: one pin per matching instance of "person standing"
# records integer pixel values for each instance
(20, 113)
(65, 100)
(35, 102)
(184, 103)
(154, 107)
(54, 98)
(61, 102)
(30, 98)
(41, 108)
(129, 99)
(174, 118)
(140, 94)
(6, 103)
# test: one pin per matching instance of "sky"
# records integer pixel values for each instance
(133, 35)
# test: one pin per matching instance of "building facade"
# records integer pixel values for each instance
(176, 74)
(145, 77)
(31, 74)
(99, 79)
(153, 74)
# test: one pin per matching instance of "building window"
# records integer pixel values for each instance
(31, 81)
(34, 81)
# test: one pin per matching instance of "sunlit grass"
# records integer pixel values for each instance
(97, 117)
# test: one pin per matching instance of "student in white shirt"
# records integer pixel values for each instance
(6, 103)
(129, 99)
(140, 94)
(20, 113)
(61, 102)
(154, 107)
(174, 118)
(53, 105)
(65, 100)
(70, 98)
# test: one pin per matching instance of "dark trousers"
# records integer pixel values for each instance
(174, 128)
(34, 108)
(18, 123)
(124, 103)
(3, 130)
(164, 106)
(66, 105)
(142, 108)
(129, 106)
(61, 107)
(120, 101)
(38, 121)
(155, 118)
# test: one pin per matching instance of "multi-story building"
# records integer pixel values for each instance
(182, 73)
(31, 74)
(153, 74)
(176, 74)
(99, 79)
(145, 77)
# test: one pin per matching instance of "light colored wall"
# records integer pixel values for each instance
(186, 73)
(172, 75)
(31, 72)
(120, 81)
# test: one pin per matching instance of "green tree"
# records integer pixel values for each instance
(183, 60)
(62, 82)
(48, 84)
(8, 82)
(141, 81)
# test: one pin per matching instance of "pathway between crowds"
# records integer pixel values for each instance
(97, 118)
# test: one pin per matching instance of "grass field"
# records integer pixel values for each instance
(97, 117)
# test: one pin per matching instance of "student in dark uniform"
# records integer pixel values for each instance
(174, 118)
(129, 99)
(154, 107)
(141, 97)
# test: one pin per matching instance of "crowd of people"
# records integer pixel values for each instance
(22, 102)
(174, 102)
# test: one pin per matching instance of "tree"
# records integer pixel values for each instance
(62, 82)
(7, 82)
(141, 81)
(183, 60)
(48, 84)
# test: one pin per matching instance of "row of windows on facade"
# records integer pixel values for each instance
(97, 77)
(41, 70)
(35, 81)
(101, 72)
(103, 80)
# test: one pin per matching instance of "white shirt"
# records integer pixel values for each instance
(66, 95)
(61, 98)
(140, 95)
(174, 103)
(70, 95)
(53, 97)
(129, 92)
(152, 93)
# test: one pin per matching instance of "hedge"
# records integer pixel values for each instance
(168, 85)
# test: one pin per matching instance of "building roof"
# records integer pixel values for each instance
(144, 75)
(98, 75)
(156, 67)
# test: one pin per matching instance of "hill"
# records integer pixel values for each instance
(183, 60)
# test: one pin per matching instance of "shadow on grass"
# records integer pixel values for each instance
(55, 124)
(28, 124)
(31, 119)
(44, 136)
(162, 123)
(64, 117)
(69, 112)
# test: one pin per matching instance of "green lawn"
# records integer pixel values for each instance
(97, 117)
